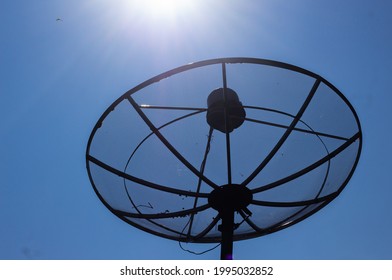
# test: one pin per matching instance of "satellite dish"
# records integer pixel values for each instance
(223, 150)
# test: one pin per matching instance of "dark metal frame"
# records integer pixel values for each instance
(319, 201)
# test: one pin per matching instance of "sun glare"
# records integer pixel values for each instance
(166, 8)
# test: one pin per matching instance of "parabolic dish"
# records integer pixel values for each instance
(156, 163)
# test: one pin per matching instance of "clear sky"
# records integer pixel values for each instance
(62, 63)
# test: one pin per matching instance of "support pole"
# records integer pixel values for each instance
(227, 229)
(227, 200)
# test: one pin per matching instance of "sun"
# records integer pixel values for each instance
(165, 8)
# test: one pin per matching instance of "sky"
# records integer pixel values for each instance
(62, 63)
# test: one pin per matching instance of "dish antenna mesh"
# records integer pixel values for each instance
(224, 150)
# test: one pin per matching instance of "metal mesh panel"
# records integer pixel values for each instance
(154, 160)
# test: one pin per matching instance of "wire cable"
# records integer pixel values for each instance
(190, 221)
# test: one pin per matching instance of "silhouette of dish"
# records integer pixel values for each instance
(260, 143)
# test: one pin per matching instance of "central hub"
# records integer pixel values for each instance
(225, 111)
(230, 198)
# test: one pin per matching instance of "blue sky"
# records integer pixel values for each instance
(58, 76)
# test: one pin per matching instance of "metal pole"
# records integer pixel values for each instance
(227, 229)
